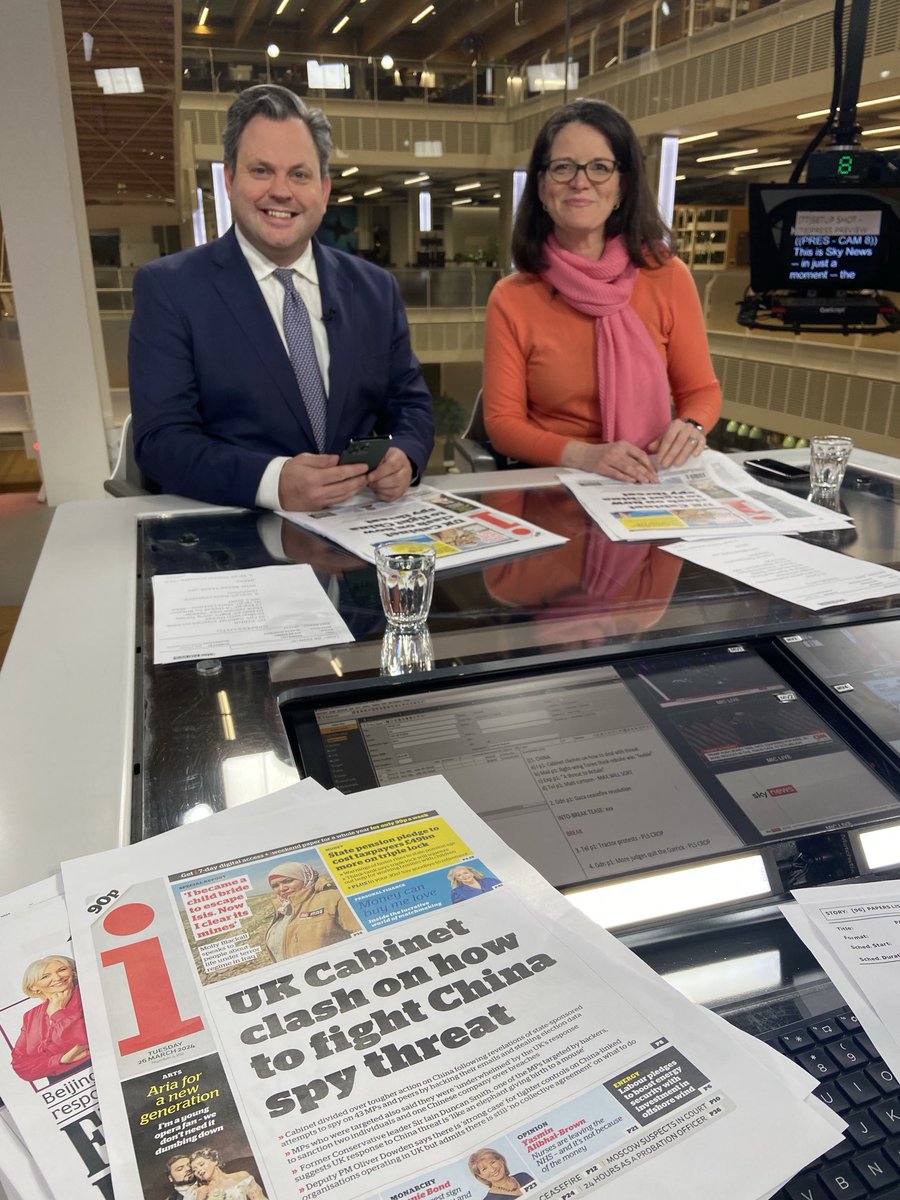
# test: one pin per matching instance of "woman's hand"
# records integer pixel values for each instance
(76, 1054)
(618, 460)
(59, 1000)
(680, 442)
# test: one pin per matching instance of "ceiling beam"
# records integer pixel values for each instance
(326, 16)
(445, 33)
(245, 13)
(400, 17)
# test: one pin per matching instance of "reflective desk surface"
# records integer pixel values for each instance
(208, 736)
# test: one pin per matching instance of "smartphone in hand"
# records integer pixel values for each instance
(368, 450)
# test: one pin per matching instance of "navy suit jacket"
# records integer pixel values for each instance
(213, 394)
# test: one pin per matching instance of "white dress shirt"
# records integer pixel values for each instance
(306, 281)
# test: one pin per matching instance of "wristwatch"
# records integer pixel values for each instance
(690, 421)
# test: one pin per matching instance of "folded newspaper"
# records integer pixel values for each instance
(316, 995)
(46, 1074)
(460, 529)
(708, 497)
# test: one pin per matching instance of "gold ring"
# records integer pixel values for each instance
(694, 441)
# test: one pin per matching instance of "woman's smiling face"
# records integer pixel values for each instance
(56, 978)
(579, 209)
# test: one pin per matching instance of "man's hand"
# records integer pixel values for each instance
(312, 481)
(678, 443)
(392, 476)
(618, 460)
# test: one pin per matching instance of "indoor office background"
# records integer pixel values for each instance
(433, 107)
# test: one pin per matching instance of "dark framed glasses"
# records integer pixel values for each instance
(598, 170)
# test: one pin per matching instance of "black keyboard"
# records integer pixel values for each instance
(856, 1083)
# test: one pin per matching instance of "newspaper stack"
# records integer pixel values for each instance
(372, 996)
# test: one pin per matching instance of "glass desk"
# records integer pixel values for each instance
(210, 735)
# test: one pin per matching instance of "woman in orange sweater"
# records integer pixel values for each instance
(600, 335)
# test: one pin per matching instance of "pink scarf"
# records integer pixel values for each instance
(635, 403)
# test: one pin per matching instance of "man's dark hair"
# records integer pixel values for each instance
(275, 103)
(173, 1158)
(637, 218)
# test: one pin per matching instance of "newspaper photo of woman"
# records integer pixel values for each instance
(53, 1040)
(310, 912)
(466, 882)
(215, 1183)
(490, 1168)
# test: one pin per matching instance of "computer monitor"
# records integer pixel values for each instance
(825, 240)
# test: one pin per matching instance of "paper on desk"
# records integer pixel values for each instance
(707, 497)
(215, 614)
(854, 932)
(460, 530)
(810, 576)
(375, 1065)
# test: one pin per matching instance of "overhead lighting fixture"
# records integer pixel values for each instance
(727, 154)
(341, 23)
(426, 79)
(117, 81)
(420, 16)
(457, 203)
(773, 162)
(697, 137)
(884, 149)
(612, 62)
(881, 132)
(466, 187)
(416, 179)
(387, 62)
(87, 42)
(680, 178)
(373, 191)
(344, 199)
(281, 7)
(823, 112)
(273, 50)
(424, 212)
(495, 196)
(349, 171)
(204, 13)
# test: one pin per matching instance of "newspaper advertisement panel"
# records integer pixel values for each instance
(708, 497)
(461, 530)
(390, 1006)
(46, 1075)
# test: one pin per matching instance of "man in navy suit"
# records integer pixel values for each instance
(218, 413)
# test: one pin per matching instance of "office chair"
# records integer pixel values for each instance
(127, 478)
(473, 450)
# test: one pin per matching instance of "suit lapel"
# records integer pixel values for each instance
(337, 309)
(240, 293)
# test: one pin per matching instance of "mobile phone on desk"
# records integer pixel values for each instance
(368, 450)
(776, 469)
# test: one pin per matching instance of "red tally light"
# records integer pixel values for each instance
(37, 447)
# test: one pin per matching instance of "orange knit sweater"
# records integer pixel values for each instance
(540, 361)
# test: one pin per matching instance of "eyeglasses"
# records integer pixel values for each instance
(565, 170)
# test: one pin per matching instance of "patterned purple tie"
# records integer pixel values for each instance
(298, 334)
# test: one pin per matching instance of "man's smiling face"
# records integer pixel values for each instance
(278, 196)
